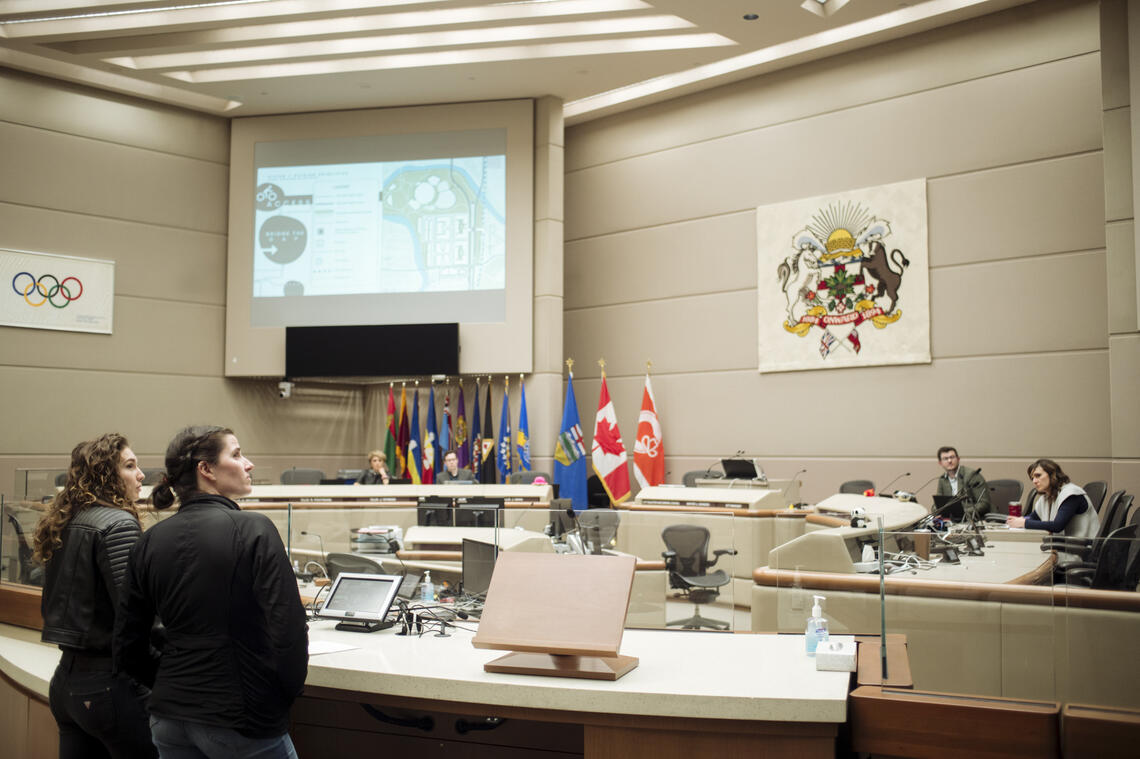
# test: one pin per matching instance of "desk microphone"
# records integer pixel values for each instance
(789, 485)
(322, 544)
(932, 479)
(887, 488)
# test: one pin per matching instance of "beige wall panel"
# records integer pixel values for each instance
(1120, 260)
(548, 258)
(1114, 53)
(548, 320)
(1124, 361)
(1118, 164)
(1012, 306)
(1049, 206)
(55, 408)
(989, 407)
(701, 333)
(77, 174)
(685, 258)
(165, 337)
(178, 264)
(61, 107)
(548, 174)
(1021, 37)
(953, 129)
(1125, 475)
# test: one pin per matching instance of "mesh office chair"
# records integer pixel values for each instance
(526, 478)
(1108, 513)
(687, 561)
(1001, 493)
(858, 487)
(689, 479)
(1117, 565)
(298, 476)
(1120, 515)
(598, 528)
(1096, 491)
(352, 562)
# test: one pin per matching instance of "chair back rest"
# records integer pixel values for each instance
(598, 527)
(527, 478)
(856, 486)
(1118, 565)
(1120, 516)
(335, 563)
(1107, 514)
(298, 476)
(1002, 492)
(691, 544)
(1096, 490)
(689, 479)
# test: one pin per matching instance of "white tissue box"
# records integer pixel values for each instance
(836, 655)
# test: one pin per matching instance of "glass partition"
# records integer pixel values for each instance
(20, 518)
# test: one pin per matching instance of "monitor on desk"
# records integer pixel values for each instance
(477, 511)
(950, 507)
(434, 513)
(478, 566)
(738, 469)
(361, 601)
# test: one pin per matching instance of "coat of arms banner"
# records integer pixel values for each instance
(844, 279)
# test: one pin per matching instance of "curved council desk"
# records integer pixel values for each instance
(700, 694)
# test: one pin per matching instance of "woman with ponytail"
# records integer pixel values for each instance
(236, 644)
(84, 541)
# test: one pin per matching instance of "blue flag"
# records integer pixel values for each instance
(433, 461)
(504, 446)
(415, 450)
(522, 443)
(570, 453)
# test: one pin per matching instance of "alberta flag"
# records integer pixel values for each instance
(504, 446)
(522, 443)
(608, 451)
(570, 453)
(415, 452)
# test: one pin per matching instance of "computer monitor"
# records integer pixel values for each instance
(478, 566)
(361, 601)
(478, 511)
(738, 469)
(950, 507)
(434, 513)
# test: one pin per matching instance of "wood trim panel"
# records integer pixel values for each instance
(935, 725)
(31, 695)
(1100, 732)
(20, 606)
(428, 555)
(730, 511)
(827, 521)
(1039, 595)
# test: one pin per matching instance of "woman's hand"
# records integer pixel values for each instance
(1015, 521)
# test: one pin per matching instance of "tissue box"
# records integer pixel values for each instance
(836, 655)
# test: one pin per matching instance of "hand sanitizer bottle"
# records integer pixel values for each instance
(816, 631)
(427, 590)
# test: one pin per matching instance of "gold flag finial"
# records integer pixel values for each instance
(570, 365)
(648, 366)
(602, 363)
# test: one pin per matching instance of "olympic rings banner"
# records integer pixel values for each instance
(46, 291)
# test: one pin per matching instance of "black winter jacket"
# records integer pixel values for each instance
(236, 651)
(83, 579)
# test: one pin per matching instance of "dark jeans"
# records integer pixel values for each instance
(99, 714)
(179, 739)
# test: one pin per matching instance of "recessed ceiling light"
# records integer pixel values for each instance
(751, 16)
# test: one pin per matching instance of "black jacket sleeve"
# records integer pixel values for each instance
(132, 650)
(276, 590)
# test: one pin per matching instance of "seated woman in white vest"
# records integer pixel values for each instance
(1059, 506)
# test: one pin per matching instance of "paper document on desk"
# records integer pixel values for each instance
(328, 647)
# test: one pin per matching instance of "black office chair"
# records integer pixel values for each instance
(598, 528)
(689, 479)
(527, 478)
(1001, 493)
(298, 476)
(857, 487)
(30, 574)
(687, 561)
(1117, 565)
(1096, 491)
(1087, 550)
(562, 518)
(336, 563)
(153, 476)
(61, 479)
(1120, 515)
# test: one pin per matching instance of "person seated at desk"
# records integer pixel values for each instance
(451, 471)
(377, 471)
(958, 477)
(1059, 506)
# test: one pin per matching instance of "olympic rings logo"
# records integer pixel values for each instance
(57, 291)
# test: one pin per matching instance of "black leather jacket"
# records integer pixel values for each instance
(83, 579)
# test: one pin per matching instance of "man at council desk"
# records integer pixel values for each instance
(451, 471)
(957, 477)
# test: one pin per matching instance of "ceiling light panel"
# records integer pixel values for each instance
(453, 38)
(454, 57)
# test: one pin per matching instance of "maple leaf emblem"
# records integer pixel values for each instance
(607, 437)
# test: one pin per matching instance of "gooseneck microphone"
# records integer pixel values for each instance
(788, 487)
(887, 487)
(321, 542)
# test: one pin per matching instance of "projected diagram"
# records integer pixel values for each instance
(395, 227)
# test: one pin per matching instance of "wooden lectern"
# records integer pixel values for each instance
(559, 615)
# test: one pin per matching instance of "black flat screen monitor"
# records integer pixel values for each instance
(478, 566)
(950, 507)
(372, 351)
(479, 512)
(361, 601)
(738, 469)
(434, 513)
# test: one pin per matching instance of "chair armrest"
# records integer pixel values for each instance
(1081, 576)
(1079, 546)
(998, 518)
(723, 551)
(670, 559)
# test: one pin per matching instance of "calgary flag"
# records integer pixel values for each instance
(608, 451)
(648, 450)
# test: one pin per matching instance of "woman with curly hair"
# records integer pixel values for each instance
(84, 541)
(236, 650)
(1059, 506)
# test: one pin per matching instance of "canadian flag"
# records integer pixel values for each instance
(648, 449)
(608, 451)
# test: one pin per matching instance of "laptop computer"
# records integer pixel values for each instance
(956, 512)
(738, 469)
